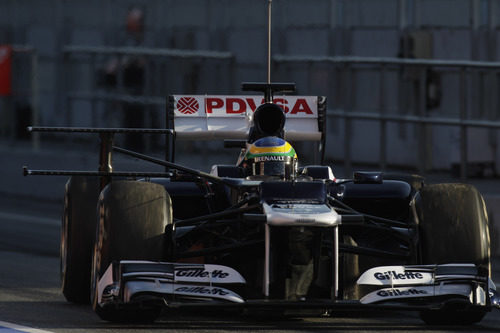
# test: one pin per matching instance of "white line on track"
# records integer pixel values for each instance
(30, 219)
(6, 327)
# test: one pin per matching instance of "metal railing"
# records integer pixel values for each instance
(347, 64)
(162, 69)
(347, 112)
(121, 94)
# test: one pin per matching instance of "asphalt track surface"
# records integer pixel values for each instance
(30, 295)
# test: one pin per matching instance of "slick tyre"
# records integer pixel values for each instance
(77, 237)
(453, 229)
(132, 220)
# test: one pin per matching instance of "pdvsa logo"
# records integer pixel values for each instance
(219, 105)
(188, 105)
(240, 105)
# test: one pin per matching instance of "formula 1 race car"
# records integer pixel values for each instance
(267, 232)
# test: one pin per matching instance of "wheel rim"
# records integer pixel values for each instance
(96, 259)
(63, 261)
(93, 280)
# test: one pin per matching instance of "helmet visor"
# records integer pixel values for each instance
(269, 168)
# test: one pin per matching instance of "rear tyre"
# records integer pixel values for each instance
(132, 220)
(453, 229)
(77, 237)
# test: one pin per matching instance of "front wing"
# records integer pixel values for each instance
(203, 285)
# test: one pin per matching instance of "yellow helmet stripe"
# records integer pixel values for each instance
(284, 149)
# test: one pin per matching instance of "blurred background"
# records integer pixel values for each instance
(411, 84)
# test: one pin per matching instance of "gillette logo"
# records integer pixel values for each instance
(398, 276)
(202, 291)
(201, 273)
(399, 292)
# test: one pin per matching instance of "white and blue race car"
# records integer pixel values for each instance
(266, 232)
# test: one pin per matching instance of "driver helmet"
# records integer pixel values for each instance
(270, 156)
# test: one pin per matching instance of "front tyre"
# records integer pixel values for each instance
(453, 229)
(132, 220)
(77, 237)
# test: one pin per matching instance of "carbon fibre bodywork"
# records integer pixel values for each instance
(284, 243)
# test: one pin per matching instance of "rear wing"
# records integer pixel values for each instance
(212, 117)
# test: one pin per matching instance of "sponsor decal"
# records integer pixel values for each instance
(201, 273)
(192, 273)
(207, 274)
(241, 105)
(270, 158)
(187, 105)
(305, 220)
(234, 105)
(400, 292)
(407, 275)
(202, 290)
(395, 275)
